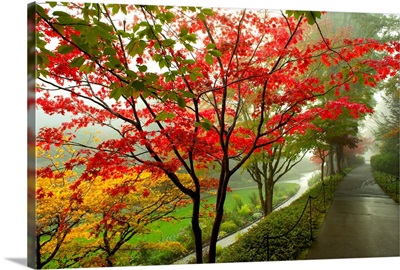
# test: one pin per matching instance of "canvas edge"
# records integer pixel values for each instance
(31, 125)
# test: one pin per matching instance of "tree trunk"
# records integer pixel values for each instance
(221, 196)
(196, 229)
(261, 197)
(331, 166)
(256, 175)
(339, 155)
(38, 255)
(269, 194)
(322, 169)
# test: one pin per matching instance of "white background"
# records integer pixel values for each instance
(13, 129)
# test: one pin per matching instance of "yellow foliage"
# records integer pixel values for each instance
(110, 212)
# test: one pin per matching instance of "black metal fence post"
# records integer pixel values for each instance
(266, 239)
(311, 230)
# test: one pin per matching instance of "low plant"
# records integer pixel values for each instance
(389, 183)
(284, 234)
(228, 226)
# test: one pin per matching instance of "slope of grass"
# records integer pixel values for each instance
(163, 230)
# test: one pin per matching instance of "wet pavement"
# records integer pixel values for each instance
(361, 222)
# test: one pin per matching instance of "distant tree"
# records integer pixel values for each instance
(387, 131)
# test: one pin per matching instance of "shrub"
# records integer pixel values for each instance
(238, 201)
(389, 183)
(254, 200)
(219, 250)
(257, 215)
(228, 226)
(284, 244)
(157, 253)
(314, 179)
(186, 237)
(388, 163)
(245, 211)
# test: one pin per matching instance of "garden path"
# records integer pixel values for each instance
(361, 222)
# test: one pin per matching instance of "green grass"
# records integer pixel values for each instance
(162, 230)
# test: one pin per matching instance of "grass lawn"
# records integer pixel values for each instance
(163, 230)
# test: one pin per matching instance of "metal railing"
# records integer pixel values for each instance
(308, 206)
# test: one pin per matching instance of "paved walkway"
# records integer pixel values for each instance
(361, 222)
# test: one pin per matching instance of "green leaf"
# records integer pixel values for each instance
(184, 31)
(181, 102)
(162, 63)
(295, 14)
(116, 93)
(157, 57)
(162, 116)
(207, 11)
(193, 77)
(361, 78)
(91, 37)
(317, 14)
(104, 34)
(65, 49)
(187, 94)
(127, 91)
(209, 59)
(115, 9)
(136, 46)
(216, 53)
(52, 4)
(345, 73)
(61, 14)
(110, 51)
(123, 9)
(371, 79)
(169, 42)
(138, 85)
(192, 38)
(289, 12)
(59, 28)
(205, 124)
(189, 61)
(202, 17)
(104, 26)
(210, 46)
(169, 16)
(77, 62)
(188, 47)
(142, 68)
(131, 73)
(169, 76)
(310, 18)
(86, 69)
(42, 12)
